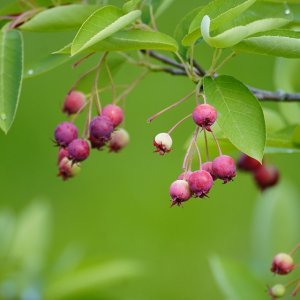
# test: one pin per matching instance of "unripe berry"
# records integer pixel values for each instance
(180, 192)
(78, 150)
(185, 175)
(207, 166)
(204, 115)
(114, 113)
(247, 163)
(119, 140)
(62, 153)
(163, 143)
(68, 169)
(224, 168)
(200, 183)
(277, 291)
(282, 264)
(101, 127)
(65, 133)
(74, 102)
(266, 176)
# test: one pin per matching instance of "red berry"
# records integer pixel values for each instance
(114, 113)
(67, 169)
(74, 102)
(224, 168)
(200, 183)
(207, 166)
(101, 127)
(180, 192)
(65, 133)
(119, 140)
(247, 163)
(163, 143)
(79, 150)
(185, 175)
(282, 264)
(62, 153)
(266, 176)
(204, 115)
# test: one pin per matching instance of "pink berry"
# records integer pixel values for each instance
(224, 168)
(62, 153)
(247, 163)
(163, 143)
(207, 166)
(78, 150)
(180, 192)
(119, 140)
(67, 169)
(266, 177)
(282, 264)
(114, 113)
(65, 133)
(204, 115)
(74, 102)
(101, 127)
(200, 183)
(97, 143)
(185, 175)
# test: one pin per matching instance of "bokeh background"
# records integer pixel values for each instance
(118, 208)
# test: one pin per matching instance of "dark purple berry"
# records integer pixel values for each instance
(180, 192)
(224, 168)
(101, 127)
(207, 166)
(204, 115)
(114, 113)
(266, 176)
(247, 163)
(97, 143)
(200, 183)
(74, 102)
(78, 150)
(65, 133)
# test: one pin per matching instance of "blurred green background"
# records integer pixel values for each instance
(119, 205)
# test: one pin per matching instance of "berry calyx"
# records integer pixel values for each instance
(266, 176)
(119, 140)
(62, 153)
(114, 113)
(97, 143)
(277, 291)
(163, 143)
(207, 166)
(282, 264)
(205, 115)
(224, 168)
(67, 169)
(101, 128)
(78, 150)
(200, 183)
(65, 133)
(74, 102)
(180, 192)
(247, 163)
(185, 175)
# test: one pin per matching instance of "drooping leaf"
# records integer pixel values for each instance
(11, 71)
(240, 114)
(101, 24)
(59, 18)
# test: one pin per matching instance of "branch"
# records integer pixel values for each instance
(262, 95)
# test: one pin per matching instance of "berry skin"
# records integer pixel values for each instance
(65, 133)
(277, 291)
(207, 166)
(78, 150)
(180, 192)
(247, 163)
(97, 143)
(282, 264)
(266, 177)
(114, 113)
(224, 168)
(163, 143)
(101, 127)
(74, 102)
(119, 140)
(67, 169)
(204, 115)
(185, 175)
(200, 183)
(62, 153)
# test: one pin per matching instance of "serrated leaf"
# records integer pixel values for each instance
(11, 71)
(240, 115)
(59, 18)
(101, 24)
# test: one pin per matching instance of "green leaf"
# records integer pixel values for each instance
(100, 25)
(240, 114)
(284, 43)
(236, 280)
(59, 18)
(158, 6)
(220, 12)
(11, 69)
(131, 5)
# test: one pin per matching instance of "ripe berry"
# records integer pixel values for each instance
(200, 183)
(224, 168)
(282, 264)
(266, 176)
(68, 169)
(119, 140)
(62, 153)
(207, 166)
(97, 143)
(74, 102)
(277, 291)
(78, 150)
(179, 192)
(185, 175)
(101, 127)
(65, 133)
(163, 143)
(114, 113)
(204, 115)
(247, 163)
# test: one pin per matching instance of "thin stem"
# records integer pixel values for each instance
(170, 107)
(74, 117)
(153, 22)
(296, 290)
(179, 122)
(199, 154)
(206, 146)
(187, 155)
(226, 59)
(113, 86)
(297, 247)
(217, 142)
(89, 118)
(186, 67)
(24, 17)
(192, 61)
(78, 62)
(292, 282)
(82, 76)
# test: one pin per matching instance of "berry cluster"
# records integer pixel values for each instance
(283, 264)
(264, 175)
(99, 132)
